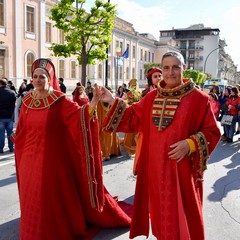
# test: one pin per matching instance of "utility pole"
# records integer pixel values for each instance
(106, 66)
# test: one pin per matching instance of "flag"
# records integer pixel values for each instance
(125, 54)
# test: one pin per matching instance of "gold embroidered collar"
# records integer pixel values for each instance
(166, 103)
(178, 92)
(31, 102)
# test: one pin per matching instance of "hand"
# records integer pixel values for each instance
(179, 150)
(96, 96)
(107, 96)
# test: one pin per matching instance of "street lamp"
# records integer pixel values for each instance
(118, 50)
(204, 67)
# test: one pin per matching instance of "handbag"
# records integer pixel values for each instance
(226, 119)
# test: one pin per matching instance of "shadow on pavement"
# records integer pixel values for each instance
(225, 184)
(8, 181)
(10, 230)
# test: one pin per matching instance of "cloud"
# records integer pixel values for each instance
(230, 32)
(144, 19)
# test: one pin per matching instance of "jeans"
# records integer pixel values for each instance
(6, 124)
(230, 129)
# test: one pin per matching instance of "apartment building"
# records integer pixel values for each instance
(202, 49)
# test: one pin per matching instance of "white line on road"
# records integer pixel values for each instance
(4, 164)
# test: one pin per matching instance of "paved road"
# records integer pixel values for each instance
(221, 194)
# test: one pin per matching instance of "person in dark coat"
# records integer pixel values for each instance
(7, 105)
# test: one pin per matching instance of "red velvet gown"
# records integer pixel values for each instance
(170, 192)
(59, 172)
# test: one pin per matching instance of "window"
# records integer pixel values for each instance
(141, 55)
(2, 63)
(61, 71)
(61, 36)
(108, 73)
(127, 72)
(145, 56)
(1, 13)
(141, 72)
(48, 32)
(30, 60)
(134, 52)
(30, 19)
(133, 72)
(149, 56)
(100, 71)
(152, 57)
(73, 69)
(121, 72)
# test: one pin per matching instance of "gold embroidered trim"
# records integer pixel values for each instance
(88, 157)
(34, 103)
(178, 92)
(117, 115)
(202, 146)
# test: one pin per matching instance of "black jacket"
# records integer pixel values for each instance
(7, 102)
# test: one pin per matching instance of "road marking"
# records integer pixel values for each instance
(4, 164)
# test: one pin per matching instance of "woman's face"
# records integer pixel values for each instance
(80, 90)
(40, 80)
(156, 77)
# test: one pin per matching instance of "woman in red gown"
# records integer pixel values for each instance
(59, 165)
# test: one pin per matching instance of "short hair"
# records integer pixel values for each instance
(174, 54)
(3, 82)
(61, 79)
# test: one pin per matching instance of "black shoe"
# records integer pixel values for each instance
(1, 150)
(237, 132)
(229, 140)
(11, 150)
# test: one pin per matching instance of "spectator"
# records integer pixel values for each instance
(22, 87)
(61, 84)
(125, 89)
(89, 90)
(120, 92)
(179, 132)
(12, 87)
(214, 104)
(7, 104)
(231, 104)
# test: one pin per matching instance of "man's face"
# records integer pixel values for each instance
(172, 71)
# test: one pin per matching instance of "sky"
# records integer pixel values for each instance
(155, 15)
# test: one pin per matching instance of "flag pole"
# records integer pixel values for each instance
(106, 66)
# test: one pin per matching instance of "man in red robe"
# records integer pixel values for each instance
(179, 133)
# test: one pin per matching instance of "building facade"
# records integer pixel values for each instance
(203, 50)
(26, 33)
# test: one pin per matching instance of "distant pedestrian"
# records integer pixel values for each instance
(89, 90)
(62, 85)
(7, 104)
(12, 87)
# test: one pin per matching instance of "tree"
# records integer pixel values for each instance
(87, 34)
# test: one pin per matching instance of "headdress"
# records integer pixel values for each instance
(150, 73)
(48, 66)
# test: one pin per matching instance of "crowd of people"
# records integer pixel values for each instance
(65, 141)
(226, 103)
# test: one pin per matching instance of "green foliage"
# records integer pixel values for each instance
(87, 34)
